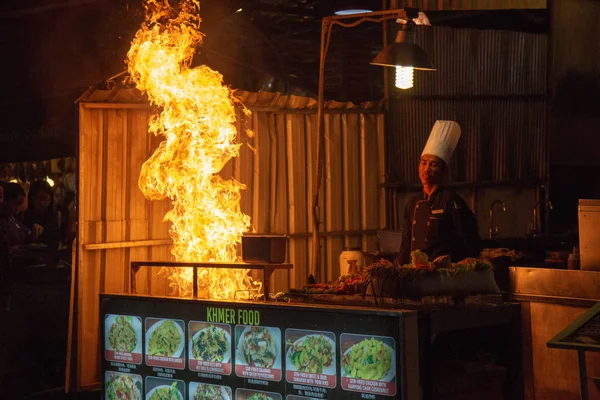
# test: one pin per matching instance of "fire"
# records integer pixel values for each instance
(197, 119)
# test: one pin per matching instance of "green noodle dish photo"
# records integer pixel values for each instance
(122, 335)
(260, 396)
(122, 387)
(210, 344)
(166, 393)
(165, 339)
(369, 359)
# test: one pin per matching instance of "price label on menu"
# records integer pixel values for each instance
(368, 364)
(258, 352)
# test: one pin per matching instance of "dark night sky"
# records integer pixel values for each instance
(53, 50)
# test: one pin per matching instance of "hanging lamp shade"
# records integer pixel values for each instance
(349, 7)
(404, 52)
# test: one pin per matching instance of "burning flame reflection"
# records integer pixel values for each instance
(197, 119)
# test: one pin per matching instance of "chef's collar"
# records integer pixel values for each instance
(424, 196)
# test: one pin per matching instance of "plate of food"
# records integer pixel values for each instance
(260, 396)
(370, 359)
(122, 386)
(165, 338)
(312, 353)
(205, 391)
(212, 343)
(123, 333)
(259, 346)
(165, 392)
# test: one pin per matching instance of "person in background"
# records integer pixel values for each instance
(40, 215)
(61, 210)
(14, 198)
(437, 221)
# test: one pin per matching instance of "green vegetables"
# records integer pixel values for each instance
(122, 335)
(313, 354)
(210, 344)
(259, 396)
(122, 387)
(166, 393)
(369, 359)
(165, 340)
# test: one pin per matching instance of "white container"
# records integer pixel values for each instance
(351, 261)
(589, 236)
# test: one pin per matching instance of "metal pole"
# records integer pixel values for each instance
(315, 268)
(326, 24)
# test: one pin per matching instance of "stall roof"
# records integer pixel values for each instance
(252, 100)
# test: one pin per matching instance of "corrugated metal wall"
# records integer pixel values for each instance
(493, 83)
(278, 169)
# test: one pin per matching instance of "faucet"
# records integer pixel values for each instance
(494, 231)
(534, 225)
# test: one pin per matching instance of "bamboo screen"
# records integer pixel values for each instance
(118, 225)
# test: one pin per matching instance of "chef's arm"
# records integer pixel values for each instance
(404, 256)
(467, 242)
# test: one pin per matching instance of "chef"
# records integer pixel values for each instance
(437, 221)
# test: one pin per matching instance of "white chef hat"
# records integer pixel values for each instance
(443, 140)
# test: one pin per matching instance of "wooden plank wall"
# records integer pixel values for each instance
(276, 164)
(113, 144)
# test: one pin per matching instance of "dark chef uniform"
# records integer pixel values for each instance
(440, 225)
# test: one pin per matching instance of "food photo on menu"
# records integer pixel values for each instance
(310, 357)
(209, 347)
(368, 364)
(165, 343)
(120, 386)
(258, 352)
(123, 338)
(206, 391)
(249, 394)
(164, 389)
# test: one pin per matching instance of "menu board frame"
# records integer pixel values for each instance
(565, 339)
(378, 331)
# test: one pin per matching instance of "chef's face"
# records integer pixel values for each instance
(431, 169)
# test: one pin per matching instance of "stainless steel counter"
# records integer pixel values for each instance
(550, 300)
(561, 286)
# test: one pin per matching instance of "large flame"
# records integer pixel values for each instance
(197, 119)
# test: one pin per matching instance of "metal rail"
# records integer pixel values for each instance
(267, 269)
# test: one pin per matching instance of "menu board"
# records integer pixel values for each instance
(157, 348)
(581, 334)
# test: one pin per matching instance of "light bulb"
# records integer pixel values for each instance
(404, 77)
